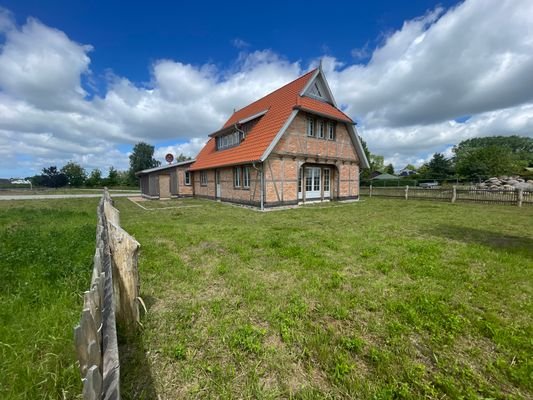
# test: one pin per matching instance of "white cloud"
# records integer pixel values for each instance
(240, 43)
(189, 149)
(43, 67)
(473, 60)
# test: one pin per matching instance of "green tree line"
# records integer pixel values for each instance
(74, 175)
(474, 159)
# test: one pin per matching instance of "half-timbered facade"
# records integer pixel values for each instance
(290, 147)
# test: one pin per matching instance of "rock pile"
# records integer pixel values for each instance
(507, 183)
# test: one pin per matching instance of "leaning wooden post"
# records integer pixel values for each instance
(520, 197)
(454, 194)
(370, 191)
(407, 192)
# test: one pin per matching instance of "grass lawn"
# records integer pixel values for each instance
(46, 191)
(46, 250)
(378, 299)
(373, 300)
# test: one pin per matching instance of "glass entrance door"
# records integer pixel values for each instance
(316, 183)
(312, 182)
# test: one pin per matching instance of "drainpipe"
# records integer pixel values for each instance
(260, 171)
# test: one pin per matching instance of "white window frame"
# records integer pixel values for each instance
(331, 130)
(237, 177)
(203, 178)
(246, 177)
(310, 127)
(187, 178)
(320, 128)
(326, 180)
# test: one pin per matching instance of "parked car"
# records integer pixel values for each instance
(429, 185)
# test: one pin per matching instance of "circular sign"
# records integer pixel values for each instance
(169, 157)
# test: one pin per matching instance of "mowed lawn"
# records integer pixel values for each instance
(379, 299)
(376, 299)
(46, 250)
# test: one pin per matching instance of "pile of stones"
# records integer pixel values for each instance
(507, 183)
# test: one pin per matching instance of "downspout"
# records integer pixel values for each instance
(260, 171)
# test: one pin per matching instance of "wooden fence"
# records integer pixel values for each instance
(517, 197)
(113, 296)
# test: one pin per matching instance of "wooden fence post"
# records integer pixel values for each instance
(454, 194)
(124, 253)
(92, 385)
(520, 197)
(407, 192)
(370, 191)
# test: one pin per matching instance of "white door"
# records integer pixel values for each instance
(217, 179)
(312, 182)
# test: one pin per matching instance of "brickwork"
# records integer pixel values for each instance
(296, 150)
(282, 170)
(183, 189)
(209, 189)
(228, 192)
(295, 141)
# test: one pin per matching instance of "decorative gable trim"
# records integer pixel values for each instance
(358, 146)
(319, 79)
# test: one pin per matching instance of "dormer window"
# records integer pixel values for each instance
(229, 140)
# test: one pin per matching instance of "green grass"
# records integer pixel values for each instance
(374, 300)
(46, 250)
(45, 191)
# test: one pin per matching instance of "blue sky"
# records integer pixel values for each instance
(84, 81)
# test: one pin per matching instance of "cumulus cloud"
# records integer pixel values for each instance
(474, 60)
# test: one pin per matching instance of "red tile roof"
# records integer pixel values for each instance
(280, 105)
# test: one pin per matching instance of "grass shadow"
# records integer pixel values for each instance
(494, 240)
(136, 381)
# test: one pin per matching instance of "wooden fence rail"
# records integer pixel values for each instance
(517, 197)
(113, 295)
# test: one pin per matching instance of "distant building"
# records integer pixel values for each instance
(406, 172)
(385, 177)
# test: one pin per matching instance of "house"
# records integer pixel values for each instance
(166, 181)
(292, 146)
(406, 171)
(385, 177)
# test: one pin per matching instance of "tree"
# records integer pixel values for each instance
(112, 177)
(472, 155)
(410, 167)
(439, 167)
(141, 158)
(389, 169)
(183, 157)
(75, 174)
(123, 178)
(95, 179)
(485, 162)
(376, 162)
(52, 177)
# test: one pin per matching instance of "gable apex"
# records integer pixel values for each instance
(317, 88)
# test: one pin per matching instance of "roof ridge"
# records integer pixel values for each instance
(274, 91)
